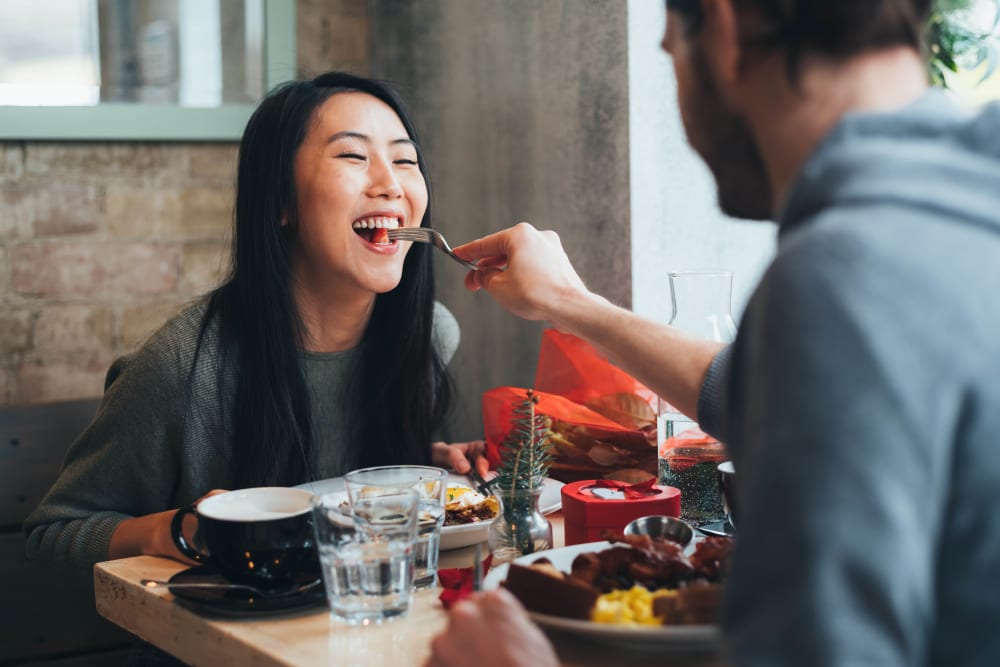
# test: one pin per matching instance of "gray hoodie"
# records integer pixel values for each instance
(861, 404)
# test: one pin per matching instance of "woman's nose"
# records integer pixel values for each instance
(383, 180)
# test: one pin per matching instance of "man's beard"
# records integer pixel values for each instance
(731, 152)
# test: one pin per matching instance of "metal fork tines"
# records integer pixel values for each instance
(428, 235)
(482, 486)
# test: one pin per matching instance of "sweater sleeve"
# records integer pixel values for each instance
(445, 333)
(711, 410)
(124, 464)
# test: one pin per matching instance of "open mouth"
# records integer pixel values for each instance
(375, 230)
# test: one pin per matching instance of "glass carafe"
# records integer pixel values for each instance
(702, 307)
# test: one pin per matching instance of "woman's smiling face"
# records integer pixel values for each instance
(355, 172)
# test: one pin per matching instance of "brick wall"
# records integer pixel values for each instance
(101, 242)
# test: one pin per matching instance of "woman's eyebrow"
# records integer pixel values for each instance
(351, 134)
(348, 134)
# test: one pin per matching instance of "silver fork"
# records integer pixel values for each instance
(428, 235)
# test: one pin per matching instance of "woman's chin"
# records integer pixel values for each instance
(383, 284)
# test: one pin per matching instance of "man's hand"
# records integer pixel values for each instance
(461, 456)
(491, 630)
(526, 270)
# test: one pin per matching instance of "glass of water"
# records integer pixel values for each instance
(366, 553)
(431, 486)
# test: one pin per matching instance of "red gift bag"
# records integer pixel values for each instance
(571, 367)
(603, 421)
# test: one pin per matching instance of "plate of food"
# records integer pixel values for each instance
(468, 513)
(638, 591)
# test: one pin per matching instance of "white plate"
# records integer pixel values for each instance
(680, 637)
(456, 537)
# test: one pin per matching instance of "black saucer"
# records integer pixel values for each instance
(718, 529)
(240, 601)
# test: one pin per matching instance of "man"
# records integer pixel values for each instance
(861, 399)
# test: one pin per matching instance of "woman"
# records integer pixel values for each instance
(323, 351)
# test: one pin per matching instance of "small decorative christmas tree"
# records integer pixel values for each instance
(524, 453)
(524, 464)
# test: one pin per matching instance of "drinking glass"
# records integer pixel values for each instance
(431, 486)
(727, 482)
(366, 553)
(688, 457)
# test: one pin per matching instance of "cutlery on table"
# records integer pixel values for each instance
(428, 235)
(229, 586)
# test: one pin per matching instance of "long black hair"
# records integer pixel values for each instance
(402, 382)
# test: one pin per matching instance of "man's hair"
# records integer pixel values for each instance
(835, 28)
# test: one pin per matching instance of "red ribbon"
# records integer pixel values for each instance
(640, 490)
(457, 582)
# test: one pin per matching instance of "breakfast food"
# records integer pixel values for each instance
(645, 581)
(635, 606)
(542, 588)
(463, 505)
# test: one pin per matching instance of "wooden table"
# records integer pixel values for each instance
(312, 637)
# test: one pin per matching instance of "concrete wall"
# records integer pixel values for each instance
(676, 223)
(101, 242)
(523, 109)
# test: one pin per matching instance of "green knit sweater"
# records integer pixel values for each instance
(148, 449)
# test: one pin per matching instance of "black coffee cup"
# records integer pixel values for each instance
(727, 483)
(261, 536)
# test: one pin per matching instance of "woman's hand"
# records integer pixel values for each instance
(149, 535)
(490, 630)
(461, 456)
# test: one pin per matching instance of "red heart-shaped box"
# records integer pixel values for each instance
(592, 507)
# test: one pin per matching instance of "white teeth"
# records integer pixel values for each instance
(376, 223)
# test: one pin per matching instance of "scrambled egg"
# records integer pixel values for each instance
(631, 607)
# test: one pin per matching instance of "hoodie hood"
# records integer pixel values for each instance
(933, 155)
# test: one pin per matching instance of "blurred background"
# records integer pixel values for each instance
(558, 112)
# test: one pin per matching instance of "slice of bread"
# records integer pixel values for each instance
(545, 590)
(695, 604)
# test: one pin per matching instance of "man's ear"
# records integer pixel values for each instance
(721, 43)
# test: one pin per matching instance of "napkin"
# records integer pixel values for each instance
(457, 582)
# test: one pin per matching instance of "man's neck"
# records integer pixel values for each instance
(789, 121)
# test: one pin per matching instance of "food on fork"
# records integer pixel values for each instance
(645, 582)
(376, 230)
(463, 505)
